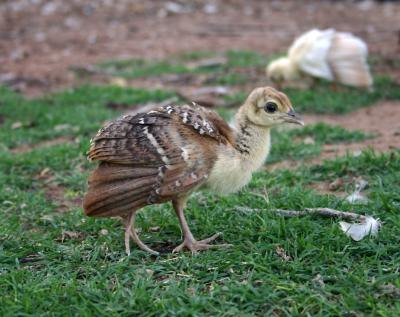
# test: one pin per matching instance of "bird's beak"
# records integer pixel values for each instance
(293, 117)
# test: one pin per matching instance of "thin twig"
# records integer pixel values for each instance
(324, 212)
(366, 225)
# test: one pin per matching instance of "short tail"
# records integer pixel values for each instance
(115, 189)
(348, 61)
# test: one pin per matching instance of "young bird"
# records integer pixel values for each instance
(168, 153)
(334, 56)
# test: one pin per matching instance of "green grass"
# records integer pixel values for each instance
(230, 78)
(323, 99)
(325, 133)
(291, 144)
(241, 67)
(142, 68)
(41, 274)
(224, 74)
(76, 112)
(44, 272)
(247, 59)
(175, 64)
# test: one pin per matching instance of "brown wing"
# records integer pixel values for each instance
(152, 157)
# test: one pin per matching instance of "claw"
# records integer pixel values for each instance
(195, 246)
(189, 242)
(212, 238)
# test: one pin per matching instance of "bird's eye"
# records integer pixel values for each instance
(270, 107)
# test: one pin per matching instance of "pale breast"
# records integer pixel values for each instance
(228, 176)
(231, 171)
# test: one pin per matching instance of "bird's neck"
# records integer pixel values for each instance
(235, 165)
(252, 141)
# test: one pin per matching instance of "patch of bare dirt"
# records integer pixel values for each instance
(44, 144)
(336, 187)
(40, 40)
(323, 188)
(56, 194)
(164, 247)
(341, 187)
(382, 120)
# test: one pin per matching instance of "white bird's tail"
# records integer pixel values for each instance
(348, 60)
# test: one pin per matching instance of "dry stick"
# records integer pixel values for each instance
(324, 212)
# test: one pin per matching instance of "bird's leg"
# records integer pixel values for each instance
(334, 86)
(131, 232)
(189, 241)
(127, 222)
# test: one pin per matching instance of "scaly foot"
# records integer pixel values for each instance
(194, 245)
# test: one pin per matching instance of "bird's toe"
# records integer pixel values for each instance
(194, 246)
(210, 239)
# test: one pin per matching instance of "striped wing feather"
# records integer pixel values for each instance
(152, 157)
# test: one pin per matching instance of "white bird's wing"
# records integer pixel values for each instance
(310, 52)
(348, 60)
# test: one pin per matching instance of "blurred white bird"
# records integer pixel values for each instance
(334, 56)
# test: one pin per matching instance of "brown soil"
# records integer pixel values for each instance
(381, 120)
(40, 40)
(56, 194)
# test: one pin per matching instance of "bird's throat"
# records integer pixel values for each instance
(235, 165)
(252, 141)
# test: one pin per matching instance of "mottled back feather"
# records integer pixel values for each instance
(152, 157)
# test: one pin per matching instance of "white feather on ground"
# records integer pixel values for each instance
(328, 54)
(360, 228)
(357, 231)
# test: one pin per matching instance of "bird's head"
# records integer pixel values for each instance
(268, 107)
(280, 70)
